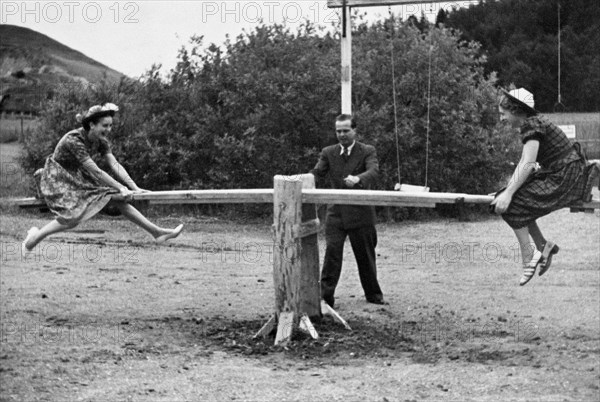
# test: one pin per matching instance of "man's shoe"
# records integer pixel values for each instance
(330, 301)
(378, 300)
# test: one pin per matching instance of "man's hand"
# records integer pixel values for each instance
(351, 181)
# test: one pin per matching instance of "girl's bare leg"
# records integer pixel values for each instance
(135, 216)
(537, 236)
(527, 248)
(35, 235)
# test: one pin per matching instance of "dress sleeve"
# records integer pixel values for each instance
(532, 129)
(77, 149)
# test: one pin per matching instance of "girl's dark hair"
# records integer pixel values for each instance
(95, 118)
(95, 113)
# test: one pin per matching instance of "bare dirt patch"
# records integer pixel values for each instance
(102, 314)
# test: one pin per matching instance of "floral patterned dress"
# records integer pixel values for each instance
(69, 190)
(558, 183)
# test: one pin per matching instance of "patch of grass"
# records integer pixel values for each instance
(104, 303)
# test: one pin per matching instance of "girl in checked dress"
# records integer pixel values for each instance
(75, 188)
(534, 192)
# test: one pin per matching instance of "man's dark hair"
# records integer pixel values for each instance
(345, 116)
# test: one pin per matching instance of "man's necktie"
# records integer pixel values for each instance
(345, 154)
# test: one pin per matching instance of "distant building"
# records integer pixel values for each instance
(581, 127)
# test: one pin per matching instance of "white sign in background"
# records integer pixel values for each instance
(569, 130)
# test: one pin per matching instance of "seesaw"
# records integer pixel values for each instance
(295, 227)
(311, 196)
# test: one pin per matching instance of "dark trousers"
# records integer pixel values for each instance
(363, 241)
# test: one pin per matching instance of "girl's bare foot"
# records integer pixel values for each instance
(171, 235)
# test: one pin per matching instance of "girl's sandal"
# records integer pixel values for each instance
(530, 267)
(549, 250)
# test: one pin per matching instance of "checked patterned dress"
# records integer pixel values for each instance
(558, 182)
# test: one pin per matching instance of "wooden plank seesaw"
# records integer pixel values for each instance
(295, 231)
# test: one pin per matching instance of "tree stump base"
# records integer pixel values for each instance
(295, 262)
(288, 322)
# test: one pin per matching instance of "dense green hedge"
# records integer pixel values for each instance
(264, 104)
(521, 38)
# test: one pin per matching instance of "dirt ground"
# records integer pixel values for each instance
(104, 314)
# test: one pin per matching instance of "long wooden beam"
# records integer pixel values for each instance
(236, 196)
(346, 61)
(309, 196)
(388, 198)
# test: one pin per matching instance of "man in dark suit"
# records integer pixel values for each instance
(350, 165)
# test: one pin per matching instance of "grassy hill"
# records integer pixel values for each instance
(32, 64)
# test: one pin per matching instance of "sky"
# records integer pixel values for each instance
(131, 36)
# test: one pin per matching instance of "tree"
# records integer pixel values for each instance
(235, 115)
(441, 18)
(520, 40)
(465, 154)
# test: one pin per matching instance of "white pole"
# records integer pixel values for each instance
(346, 61)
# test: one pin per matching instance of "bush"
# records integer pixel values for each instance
(265, 104)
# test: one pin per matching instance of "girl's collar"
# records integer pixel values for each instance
(85, 137)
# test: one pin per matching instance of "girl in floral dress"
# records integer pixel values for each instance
(534, 192)
(75, 188)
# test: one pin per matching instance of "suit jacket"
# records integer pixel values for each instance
(363, 163)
